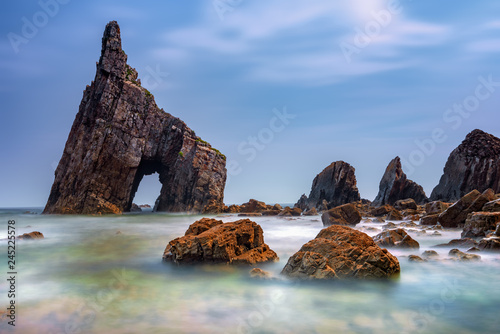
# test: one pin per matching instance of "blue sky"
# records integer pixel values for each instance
(365, 81)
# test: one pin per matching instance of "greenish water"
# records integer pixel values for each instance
(85, 277)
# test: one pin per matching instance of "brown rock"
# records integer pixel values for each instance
(250, 214)
(459, 243)
(456, 214)
(240, 242)
(490, 244)
(430, 254)
(346, 214)
(394, 215)
(474, 164)
(478, 224)
(397, 238)
(415, 258)
(31, 236)
(253, 206)
(288, 212)
(119, 135)
(406, 204)
(277, 207)
(233, 208)
(336, 185)
(259, 273)
(311, 212)
(436, 207)
(339, 252)
(135, 208)
(429, 220)
(492, 206)
(461, 256)
(202, 225)
(382, 210)
(395, 186)
(271, 212)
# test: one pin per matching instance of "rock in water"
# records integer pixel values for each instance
(395, 186)
(119, 135)
(340, 252)
(478, 224)
(474, 164)
(346, 214)
(211, 241)
(31, 236)
(336, 184)
(397, 238)
(456, 214)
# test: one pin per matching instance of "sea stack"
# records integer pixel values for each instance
(395, 186)
(335, 185)
(474, 164)
(119, 135)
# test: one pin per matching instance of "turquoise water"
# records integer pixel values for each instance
(105, 275)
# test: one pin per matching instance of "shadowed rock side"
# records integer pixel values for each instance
(339, 252)
(336, 185)
(395, 186)
(474, 164)
(119, 135)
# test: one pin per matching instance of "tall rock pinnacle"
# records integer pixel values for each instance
(119, 135)
(474, 164)
(395, 186)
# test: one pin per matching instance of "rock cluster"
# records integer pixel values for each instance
(395, 186)
(212, 241)
(474, 164)
(396, 238)
(119, 135)
(339, 252)
(346, 215)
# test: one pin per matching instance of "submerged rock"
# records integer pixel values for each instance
(460, 243)
(395, 186)
(31, 236)
(120, 135)
(336, 185)
(461, 256)
(415, 258)
(259, 273)
(397, 238)
(346, 214)
(474, 164)
(478, 224)
(340, 252)
(211, 241)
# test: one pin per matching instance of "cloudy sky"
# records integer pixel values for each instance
(282, 87)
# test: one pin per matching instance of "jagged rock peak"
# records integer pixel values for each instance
(395, 186)
(120, 135)
(474, 164)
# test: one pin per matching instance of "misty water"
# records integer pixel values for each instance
(105, 275)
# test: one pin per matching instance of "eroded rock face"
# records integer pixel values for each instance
(474, 164)
(119, 135)
(397, 238)
(346, 214)
(456, 214)
(340, 252)
(395, 186)
(211, 241)
(336, 185)
(478, 224)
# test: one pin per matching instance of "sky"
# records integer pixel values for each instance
(283, 88)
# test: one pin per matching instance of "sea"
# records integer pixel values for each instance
(104, 274)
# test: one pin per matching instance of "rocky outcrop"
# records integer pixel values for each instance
(339, 252)
(456, 214)
(346, 215)
(397, 238)
(479, 224)
(302, 203)
(474, 164)
(395, 186)
(119, 135)
(211, 241)
(336, 185)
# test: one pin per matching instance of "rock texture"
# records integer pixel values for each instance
(479, 224)
(336, 185)
(456, 214)
(119, 135)
(211, 241)
(346, 214)
(339, 252)
(493, 206)
(31, 236)
(397, 238)
(474, 164)
(395, 186)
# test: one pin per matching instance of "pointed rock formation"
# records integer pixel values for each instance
(474, 164)
(395, 186)
(119, 135)
(336, 184)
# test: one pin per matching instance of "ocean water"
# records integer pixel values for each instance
(105, 275)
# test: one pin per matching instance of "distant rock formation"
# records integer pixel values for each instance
(474, 164)
(395, 186)
(119, 135)
(336, 185)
